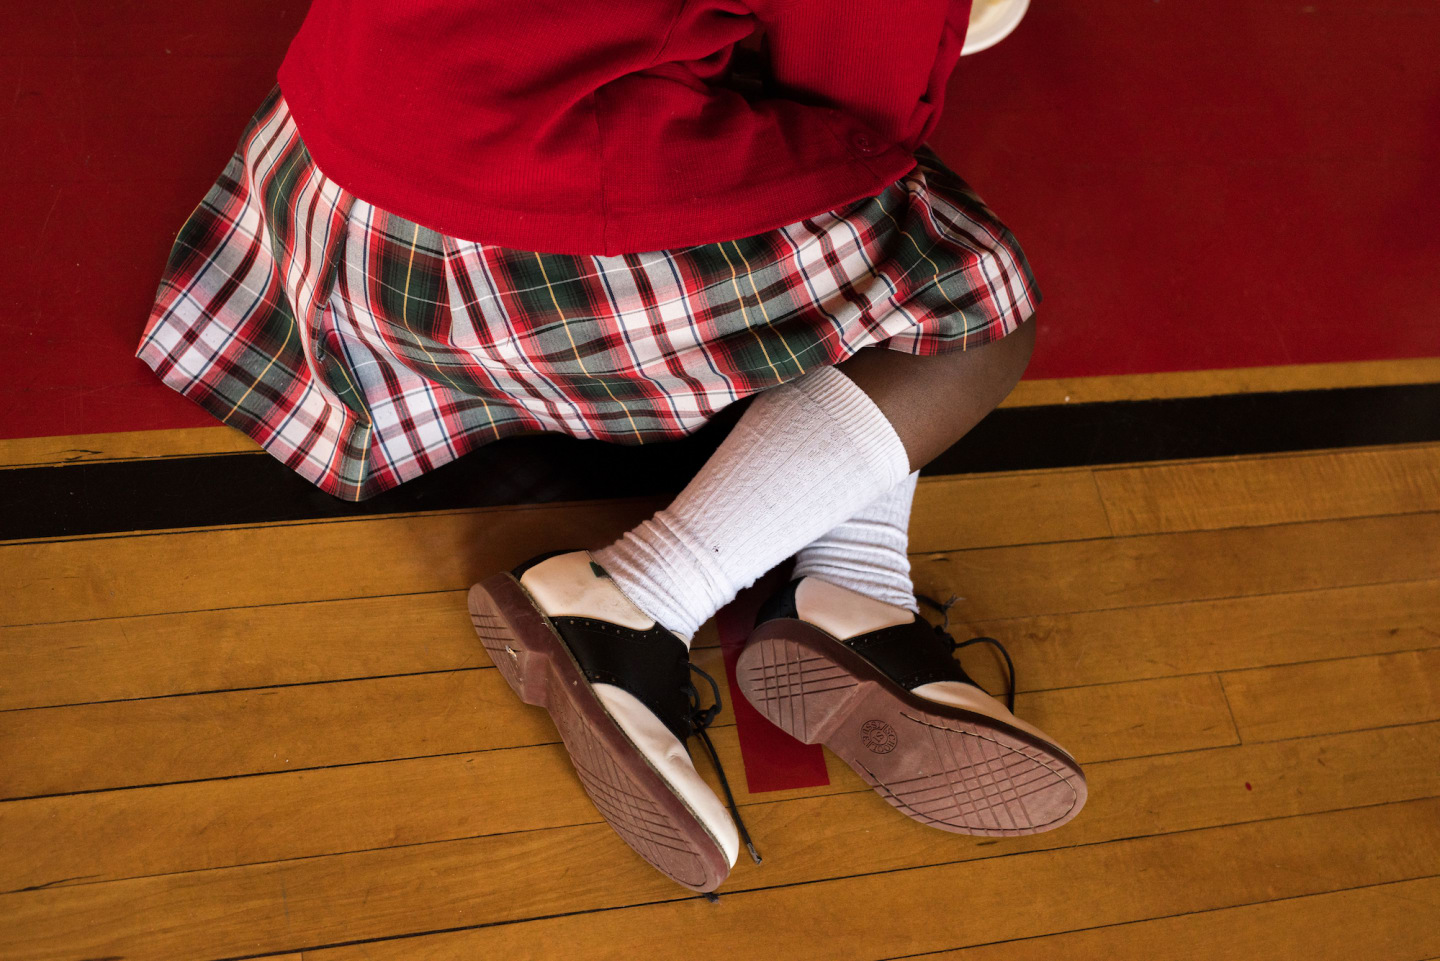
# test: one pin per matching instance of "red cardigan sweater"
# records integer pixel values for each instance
(618, 126)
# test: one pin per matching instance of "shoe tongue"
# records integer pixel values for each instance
(844, 613)
(631, 606)
(573, 585)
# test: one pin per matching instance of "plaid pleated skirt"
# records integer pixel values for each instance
(363, 349)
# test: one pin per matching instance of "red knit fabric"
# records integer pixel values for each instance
(618, 126)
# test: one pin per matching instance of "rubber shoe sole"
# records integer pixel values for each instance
(952, 769)
(627, 790)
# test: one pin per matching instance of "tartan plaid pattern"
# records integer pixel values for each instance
(362, 349)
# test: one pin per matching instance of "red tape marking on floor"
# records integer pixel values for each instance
(774, 761)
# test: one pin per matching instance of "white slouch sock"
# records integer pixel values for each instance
(866, 553)
(806, 455)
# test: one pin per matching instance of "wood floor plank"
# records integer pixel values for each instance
(1187, 637)
(118, 576)
(76, 662)
(1167, 568)
(1316, 698)
(1386, 922)
(213, 824)
(406, 891)
(203, 570)
(1271, 490)
(157, 655)
(1022, 507)
(162, 740)
(1133, 718)
(893, 915)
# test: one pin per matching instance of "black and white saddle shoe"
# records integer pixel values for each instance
(618, 687)
(881, 688)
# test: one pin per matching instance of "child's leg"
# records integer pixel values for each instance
(934, 401)
(805, 457)
(867, 553)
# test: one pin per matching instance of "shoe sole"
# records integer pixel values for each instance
(627, 790)
(952, 769)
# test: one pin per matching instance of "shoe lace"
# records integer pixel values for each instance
(943, 629)
(700, 720)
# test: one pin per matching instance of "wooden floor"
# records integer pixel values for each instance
(285, 740)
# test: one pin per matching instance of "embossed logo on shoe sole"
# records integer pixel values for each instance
(878, 737)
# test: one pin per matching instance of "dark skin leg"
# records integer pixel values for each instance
(934, 401)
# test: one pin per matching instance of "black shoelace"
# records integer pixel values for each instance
(943, 629)
(700, 719)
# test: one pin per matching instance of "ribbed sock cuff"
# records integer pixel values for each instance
(857, 415)
(867, 553)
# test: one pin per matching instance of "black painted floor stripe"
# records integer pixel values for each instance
(247, 488)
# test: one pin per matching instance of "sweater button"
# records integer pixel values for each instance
(864, 143)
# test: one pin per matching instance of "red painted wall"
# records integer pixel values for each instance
(1219, 184)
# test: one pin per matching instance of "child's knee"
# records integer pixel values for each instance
(1001, 362)
(1025, 345)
